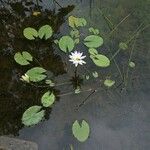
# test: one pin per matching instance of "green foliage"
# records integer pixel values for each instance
(123, 46)
(109, 83)
(66, 44)
(100, 60)
(93, 41)
(50, 83)
(30, 33)
(36, 74)
(24, 58)
(94, 31)
(93, 51)
(45, 32)
(48, 99)
(33, 115)
(76, 22)
(131, 64)
(77, 90)
(95, 74)
(75, 33)
(81, 132)
(87, 77)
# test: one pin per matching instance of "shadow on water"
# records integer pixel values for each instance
(118, 117)
(15, 98)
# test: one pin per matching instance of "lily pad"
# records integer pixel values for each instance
(48, 99)
(66, 44)
(36, 74)
(95, 74)
(131, 64)
(100, 60)
(30, 33)
(76, 22)
(93, 51)
(23, 58)
(109, 83)
(45, 32)
(81, 132)
(33, 115)
(93, 41)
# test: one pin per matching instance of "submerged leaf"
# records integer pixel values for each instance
(109, 83)
(100, 60)
(30, 33)
(48, 99)
(81, 132)
(36, 74)
(33, 115)
(93, 41)
(66, 44)
(24, 58)
(76, 22)
(45, 32)
(123, 45)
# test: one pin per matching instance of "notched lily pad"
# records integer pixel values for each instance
(100, 60)
(36, 74)
(81, 131)
(48, 99)
(45, 32)
(30, 33)
(33, 115)
(93, 41)
(66, 44)
(23, 58)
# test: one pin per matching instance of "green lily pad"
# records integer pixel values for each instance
(95, 74)
(93, 51)
(93, 41)
(109, 83)
(100, 60)
(45, 32)
(81, 132)
(48, 99)
(23, 58)
(76, 22)
(36, 74)
(33, 115)
(131, 64)
(30, 33)
(66, 44)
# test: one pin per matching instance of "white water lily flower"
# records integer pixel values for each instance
(77, 58)
(25, 78)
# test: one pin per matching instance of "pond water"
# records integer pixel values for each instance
(118, 116)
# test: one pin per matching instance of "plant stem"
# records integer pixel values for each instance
(57, 3)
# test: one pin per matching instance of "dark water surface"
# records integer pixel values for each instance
(119, 117)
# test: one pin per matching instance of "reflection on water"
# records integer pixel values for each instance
(117, 116)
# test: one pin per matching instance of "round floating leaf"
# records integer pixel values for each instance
(132, 64)
(93, 41)
(81, 132)
(24, 58)
(30, 33)
(66, 44)
(33, 115)
(36, 74)
(93, 51)
(100, 60)
(109, 83)
(45, 32)
(76, 22)
(48, 99)
(123, 45)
